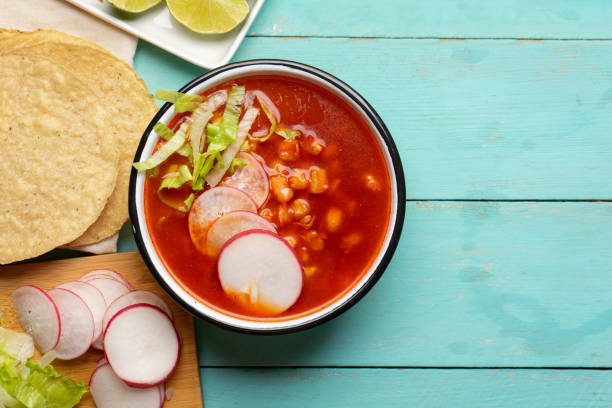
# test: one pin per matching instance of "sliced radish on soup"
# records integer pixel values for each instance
(250, 178)
(97, 273)
(132, 298)
(142, 345)
(259, 269)
(231, 224)
(38, 316)
(94, 300)
(77, 324)
(211, 205)
(108, 391)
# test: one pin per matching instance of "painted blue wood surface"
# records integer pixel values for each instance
(472, 119)
(355, 388)
(472, 284)
(436, 18)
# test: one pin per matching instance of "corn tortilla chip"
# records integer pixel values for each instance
(123, 94)
(59, 156)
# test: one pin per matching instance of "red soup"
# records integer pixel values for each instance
(327, 194)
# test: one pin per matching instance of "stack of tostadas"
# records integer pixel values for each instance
(71, 117)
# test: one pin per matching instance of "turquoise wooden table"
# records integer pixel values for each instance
(500, 293)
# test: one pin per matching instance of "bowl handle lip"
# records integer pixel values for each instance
(397, 169)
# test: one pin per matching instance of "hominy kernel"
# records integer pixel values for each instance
(334, 219)
(298, 180)
(280, 188)
(318, 180)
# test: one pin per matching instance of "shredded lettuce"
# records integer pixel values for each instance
(163, 131)
(271, 118)
(18, 345)
(215, 176)
(233, 108)
(200, 118)
(189, 201)
(236, 162)
(182, 102)
(32, 386)
(288, 133)
(165, 151)
(175, 178)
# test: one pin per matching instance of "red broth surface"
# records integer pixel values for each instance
(335, 256)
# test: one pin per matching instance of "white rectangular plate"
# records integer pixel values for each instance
(158, 27)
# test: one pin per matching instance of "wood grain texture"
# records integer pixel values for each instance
(471, 284)
(472, 119)
(405, 388)
(436, 19)
(185, 381)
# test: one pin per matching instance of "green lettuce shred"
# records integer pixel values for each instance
(271, 118)
(165, 151)
(175, 178)
(219, 137)
(236, 162)
(163, 131)
(182, 102)
(189, 201)
(32, 386)
(288, 133)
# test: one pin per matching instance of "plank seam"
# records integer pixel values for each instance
(415, 367)
(289, 36)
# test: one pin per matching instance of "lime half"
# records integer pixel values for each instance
(134, 6)
(209, 16)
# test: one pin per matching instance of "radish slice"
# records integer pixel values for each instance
(96, 273)
(227, 226)
(108, 391)
(111, 289)
(38, 315)
(101, 362)
(77, 324)
(252, 179)
(93, 299)
(211, 205)
(142, 345)
(260, 269)
(132, 298)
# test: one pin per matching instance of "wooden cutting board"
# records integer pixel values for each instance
(186, 379)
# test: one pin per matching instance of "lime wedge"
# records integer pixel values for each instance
(134, 6)
(209, 16)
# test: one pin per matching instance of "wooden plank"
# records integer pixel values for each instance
(436, 18)
(472, 119)
(405, 388)
(471, 284)
(185, 380)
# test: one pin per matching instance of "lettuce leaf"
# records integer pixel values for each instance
(58, 391)
(182, 102)
(236, 162)
(165, 151)
(33, 386)
(288, 133)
